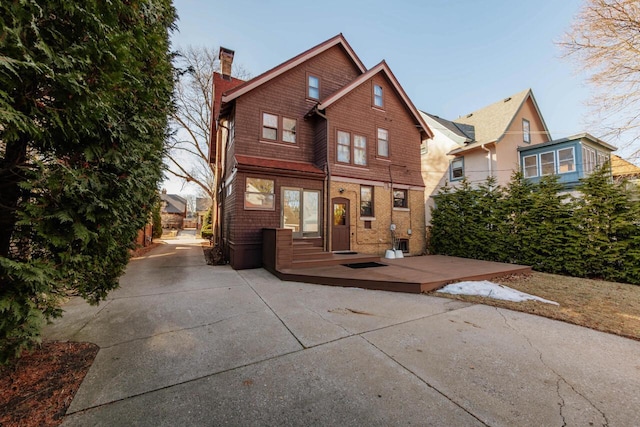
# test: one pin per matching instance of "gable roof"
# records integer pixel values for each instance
(622, 167)
(492, 122)
(263, 78)
(466, 132)
(173, 203)
(382, 67)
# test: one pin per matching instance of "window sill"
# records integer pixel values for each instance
(279, 143)
(367, 218)
(401, 209)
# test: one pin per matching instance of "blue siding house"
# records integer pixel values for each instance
(571, 158)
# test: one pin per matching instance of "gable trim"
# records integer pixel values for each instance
(384, 68)
(292, 63)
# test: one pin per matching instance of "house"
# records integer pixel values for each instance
(501, 138)
(173, 210)
(203, 204)
(623, 169)
(319, 145)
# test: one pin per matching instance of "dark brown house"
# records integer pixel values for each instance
(319, 145)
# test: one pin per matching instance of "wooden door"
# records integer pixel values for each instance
(340, 225)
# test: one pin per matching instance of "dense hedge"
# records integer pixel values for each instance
(85, 91)
(595, 235)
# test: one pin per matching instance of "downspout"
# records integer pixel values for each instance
(327, 187)
(488, 150)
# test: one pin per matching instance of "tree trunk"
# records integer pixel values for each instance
(11, 175)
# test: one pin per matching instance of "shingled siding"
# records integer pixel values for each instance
(355, 114)
(285, 95)
(245, 226)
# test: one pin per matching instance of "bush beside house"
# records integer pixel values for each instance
(594, 235)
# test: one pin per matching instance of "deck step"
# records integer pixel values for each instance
(333, 259)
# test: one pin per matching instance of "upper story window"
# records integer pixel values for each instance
(277, 128)
(457, 168)
(269, 126)
(526, 131)
(400, 199)
(530, 166)
(548, 163)
(383, 142)
(352, 151)
(344, 147)
(313, 87)
(288, 130)
(366, 200)
(259, 194)
(566, 160)
(591, 158)
(378, 98)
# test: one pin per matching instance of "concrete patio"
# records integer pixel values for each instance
(184, 343)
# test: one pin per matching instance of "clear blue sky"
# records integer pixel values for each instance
(451, 57)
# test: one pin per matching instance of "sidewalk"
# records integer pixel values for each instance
(183, 343)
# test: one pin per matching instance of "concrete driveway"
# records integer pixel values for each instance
(183, 343)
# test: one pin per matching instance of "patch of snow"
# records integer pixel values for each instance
(488, 289)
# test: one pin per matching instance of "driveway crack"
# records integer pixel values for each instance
(560, 378)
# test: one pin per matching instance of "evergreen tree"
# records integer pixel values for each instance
(85, 90)
(207, 226)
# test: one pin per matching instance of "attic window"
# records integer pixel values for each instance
(526, 131)
(313, 87)
(377, 96)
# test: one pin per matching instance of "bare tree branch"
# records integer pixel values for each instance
(605, 42)
(187, 155)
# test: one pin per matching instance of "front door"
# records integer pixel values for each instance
(340, 225)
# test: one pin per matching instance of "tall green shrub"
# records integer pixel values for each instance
(85, 90)
(207, 226)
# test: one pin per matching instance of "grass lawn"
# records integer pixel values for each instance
(605, 306)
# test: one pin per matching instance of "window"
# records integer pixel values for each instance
(345, 153)
(269, 126)
(457, 169)
(403, 245)
(313, 87)
(588, 159)
(259, 194)
(424, 148)
(566, 160)
(400, 199)
(366, 200)
(548, 163)
(271, 123)
(526, 131)
(288, 130)
(360, 150)
(383, 142)
(377, 96)
(530, 166)
(603, 158)
(344, 147)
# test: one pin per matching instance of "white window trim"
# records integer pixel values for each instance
(573, 153)
(524, 167)
(555, 169)
(453, 178)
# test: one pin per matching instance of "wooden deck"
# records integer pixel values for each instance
(305, 261)
(412, 274)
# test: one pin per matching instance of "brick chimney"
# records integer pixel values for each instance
(226, 60)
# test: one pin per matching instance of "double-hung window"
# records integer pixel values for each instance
(566, 160)
(270, 126)
(366, 200)
(352, 150)
(278, 128)
(457, 168)
(344, 147)
(530, 166)
(378, 99)
(526, 131)
(400, 199)
(548, 163)
(383, 142)
(313, 87)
